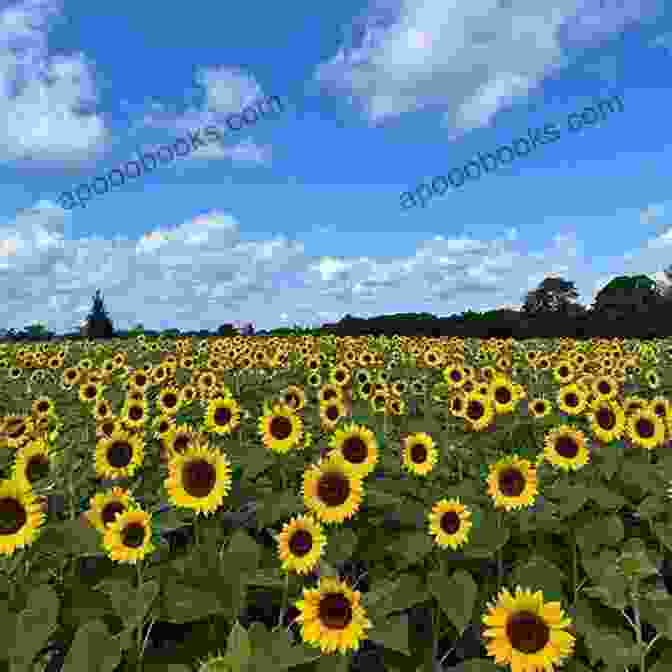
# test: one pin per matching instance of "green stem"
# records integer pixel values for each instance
(500, 559)
(575, 577)
(140, 606)
(283, 605)
(638, 628)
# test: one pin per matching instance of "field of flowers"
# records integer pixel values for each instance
(330, 503)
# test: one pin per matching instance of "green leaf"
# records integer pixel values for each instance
(93, 650)
(33, 626)
(606, 499)
(537, 573)
(341, 545)
(238, 648)
(403, 593)
(664, 534)
(274, 651)
(392, 633)
(656, 608)
(412, 546)
(485, 539)
(70, 537)
(456, 596)
(182, 603)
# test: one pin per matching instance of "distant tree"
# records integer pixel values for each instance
(98, 324)
(625, 295)
(553, 295)
(227, 330)
(37, 331)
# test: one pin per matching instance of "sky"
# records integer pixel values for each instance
(297, 215)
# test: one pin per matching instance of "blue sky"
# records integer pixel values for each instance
(297, 218)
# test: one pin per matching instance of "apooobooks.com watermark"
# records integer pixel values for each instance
(588, 116)
(248, 115)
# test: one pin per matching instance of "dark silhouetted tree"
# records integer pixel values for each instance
(98, 324)
(553, 295)
(626, 295)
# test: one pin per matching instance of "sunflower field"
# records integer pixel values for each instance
(322, 503)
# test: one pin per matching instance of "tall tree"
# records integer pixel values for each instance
(98, 322)
(553, 295)
(626, 295)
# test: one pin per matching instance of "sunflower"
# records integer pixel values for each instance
(129, 537)
(358, 446)
(660, 406)
(178, 438)
(90, 392)
(281, 429)
(169, 401)
(332, 617)
(572, 399)
(449, 523)
(21, 516)
(118, 456)
(331, 413)
(503, 396)
(330, 391)
(42, 407)
(199, 479)
(566, 448)
(222, 415)
(294, 397)
(512, 483)
(188, 393)
(539, 407)
(301, 544)
(645, 429)
(607, 420)
(339, 375)
(454, 376)
(604, 387)
(134, 414)
(527, 634)
(331, 490)
(419, 454)
(479, 411)
(105, 506)
(563, 372)
(17, 430)
(32, 462)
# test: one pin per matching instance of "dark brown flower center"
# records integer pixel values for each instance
(329, 394)
(502, 395)
(300, 542)
(280, 427)
(455, 375)
(418, 453)
(605, 418)
(354, 449)
(292, 400)
(450, 522)
(645, 428)
(222, 415)
(37, 468)
(13, 515)
(335, 611)
(43, 407)
(135, 412)
(110, 511)
(539, 407)
(511, 482)
(198, 478)
(332, 412)
(566, 447)
(475, 410)
(527, 632)
(133, 535)
(604, 387)
(119, 454)
(571, 399)
(170, 400)
(181, 442)
(333, 489)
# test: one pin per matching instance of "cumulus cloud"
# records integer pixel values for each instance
(203, 273)
(470, 59)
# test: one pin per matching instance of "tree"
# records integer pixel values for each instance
(98, 324)
(553, 295)
(227, 330)
(627, 295)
